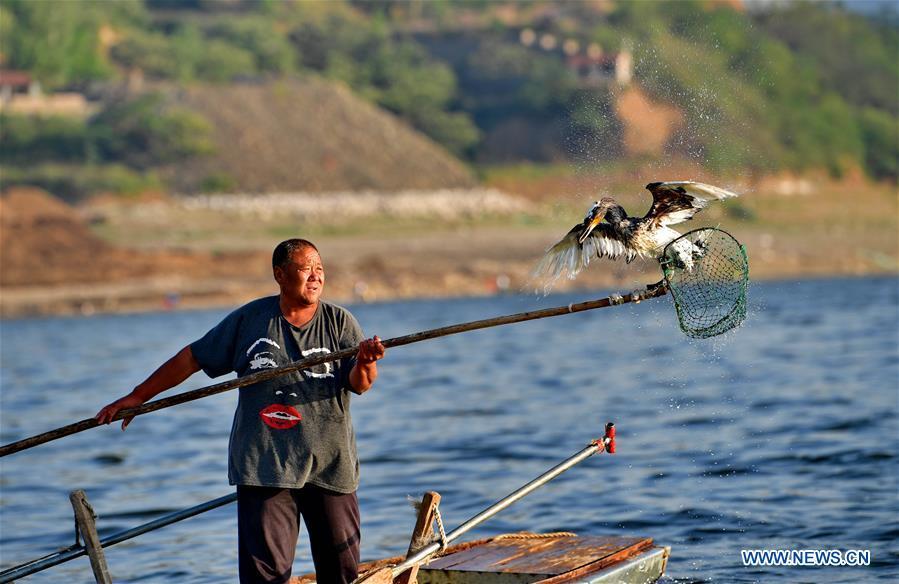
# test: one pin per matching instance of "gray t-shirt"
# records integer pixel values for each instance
(294, 429)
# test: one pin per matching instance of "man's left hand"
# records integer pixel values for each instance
(370, 350)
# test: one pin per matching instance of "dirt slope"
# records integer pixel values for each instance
(648, 125)
(311, 135)
(44, 241)
(39, 234)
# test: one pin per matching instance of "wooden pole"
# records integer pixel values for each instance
(652, 291)
(84, 519)
(420, 534)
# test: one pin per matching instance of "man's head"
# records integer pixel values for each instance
(298, 269)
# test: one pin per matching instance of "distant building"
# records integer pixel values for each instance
(592, 67)
(16, 83)
(21, 94)
(599, 69)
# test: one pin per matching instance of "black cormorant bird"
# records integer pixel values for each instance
(629, 237)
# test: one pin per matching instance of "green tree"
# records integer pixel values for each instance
(58, 42)
(853, 56)
(148, 51)
(221, 62)
(880, 133)
(30, 139)
(258, 36)
(398, 76)
(144, 133)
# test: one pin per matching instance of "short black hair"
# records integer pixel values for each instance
(285, 249)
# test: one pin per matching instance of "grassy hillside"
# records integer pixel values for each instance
(303, 134)
(308, 135)
(799, 86)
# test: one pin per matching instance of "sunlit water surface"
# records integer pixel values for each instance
(782, 434)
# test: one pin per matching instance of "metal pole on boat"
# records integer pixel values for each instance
(606, 443)
(70, 553)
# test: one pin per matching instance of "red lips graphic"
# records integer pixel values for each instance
(280, 417)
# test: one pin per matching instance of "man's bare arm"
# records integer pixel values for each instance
(169, 374)
(365, 371)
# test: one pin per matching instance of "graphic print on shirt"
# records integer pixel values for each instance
(327, 366)
(276, 416)
(281, 416)
(263, 359)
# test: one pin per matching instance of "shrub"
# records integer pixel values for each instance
(270, 50)
(144, 133)
(218, 182)
(31, 139)
(74, 183)
(880, 132)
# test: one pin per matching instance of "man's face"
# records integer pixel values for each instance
(303, 278)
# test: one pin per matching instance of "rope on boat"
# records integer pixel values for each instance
(93, 513)
(420, 542)
(531, 535)
(444, 543)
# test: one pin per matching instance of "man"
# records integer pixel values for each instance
(292, 451)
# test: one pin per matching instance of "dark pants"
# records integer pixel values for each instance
(268, 523)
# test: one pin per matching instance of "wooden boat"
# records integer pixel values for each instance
(549, 558)
(517, 558)
(539, 558)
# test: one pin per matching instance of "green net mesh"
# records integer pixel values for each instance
(707, 272)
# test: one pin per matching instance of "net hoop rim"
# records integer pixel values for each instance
(741, 303)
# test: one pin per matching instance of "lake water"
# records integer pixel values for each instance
(782, 434)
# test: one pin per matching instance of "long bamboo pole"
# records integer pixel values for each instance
(651, 291)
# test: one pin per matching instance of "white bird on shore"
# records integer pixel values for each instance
(624, 236)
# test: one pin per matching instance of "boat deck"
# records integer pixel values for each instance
(540, 558)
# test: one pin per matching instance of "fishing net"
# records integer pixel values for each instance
(707, 272)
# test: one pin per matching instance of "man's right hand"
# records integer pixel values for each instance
(109, 412)
(169, 374)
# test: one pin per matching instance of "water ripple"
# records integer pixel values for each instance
(784, 434)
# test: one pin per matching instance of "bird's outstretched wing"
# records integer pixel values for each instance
(677, 201)
(567, 257)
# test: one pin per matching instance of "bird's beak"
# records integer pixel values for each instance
(596, 220)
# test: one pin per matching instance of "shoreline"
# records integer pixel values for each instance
(88, 300)
(154, 255)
